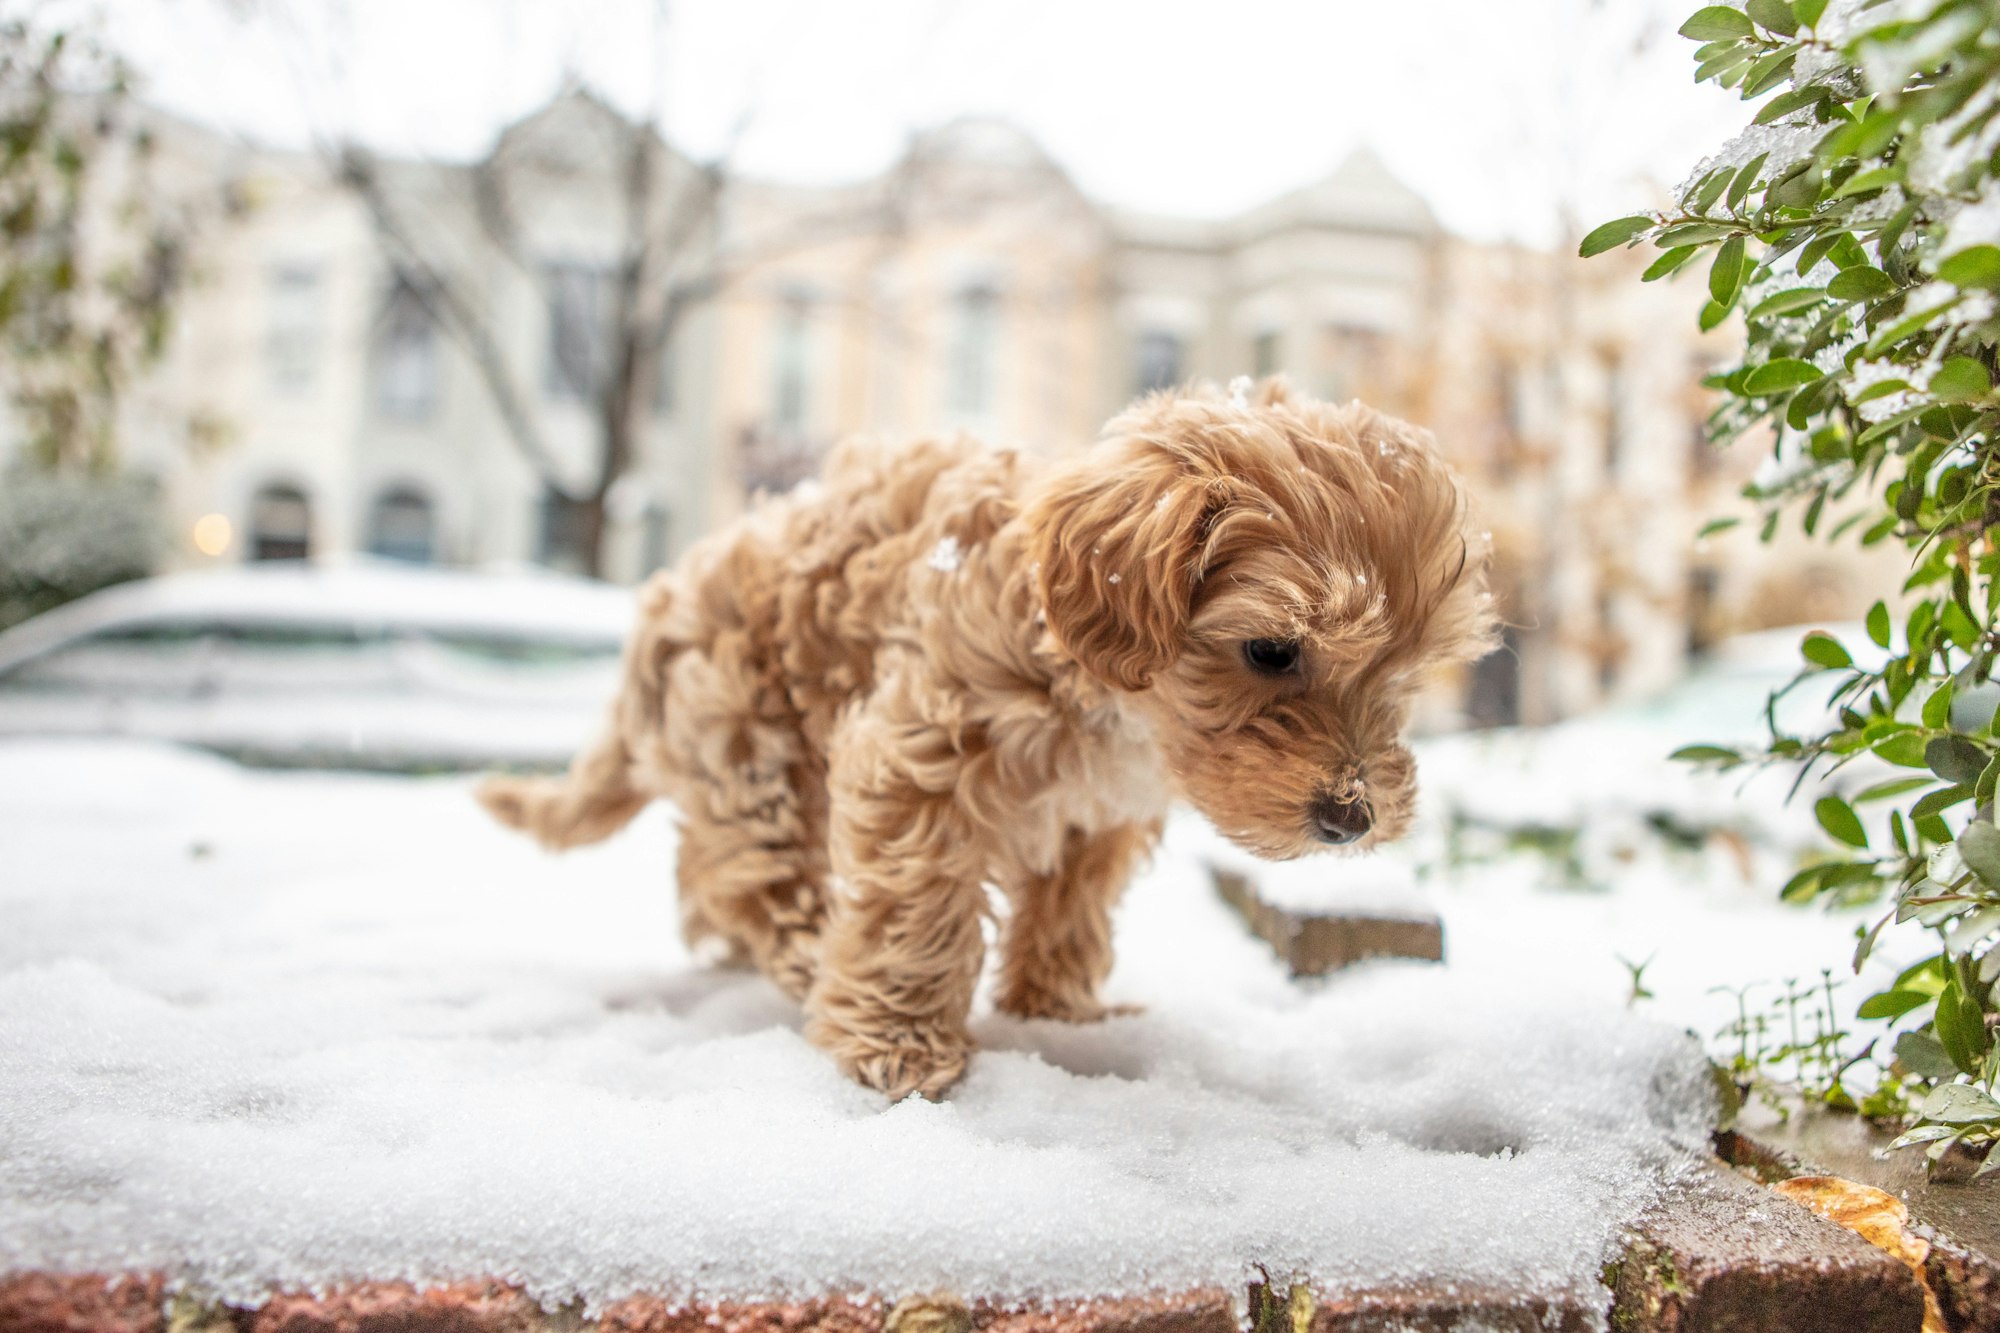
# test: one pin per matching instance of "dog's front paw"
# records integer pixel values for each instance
(1033, 1003)
(902, 1070)
(895, 1057)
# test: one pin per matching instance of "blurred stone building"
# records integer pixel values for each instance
(315, 403)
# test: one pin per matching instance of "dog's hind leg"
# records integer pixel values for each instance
(752, 801)
(753, 879)
(1058, 946)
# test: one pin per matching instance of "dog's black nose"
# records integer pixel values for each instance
(1340, 822)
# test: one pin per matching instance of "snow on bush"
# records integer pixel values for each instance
(294, 1030)
(63, 535)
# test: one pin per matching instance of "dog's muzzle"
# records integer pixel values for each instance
(1340, 822)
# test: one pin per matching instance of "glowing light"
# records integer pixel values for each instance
(212, 534)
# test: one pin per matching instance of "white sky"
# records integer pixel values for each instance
(1498, 111)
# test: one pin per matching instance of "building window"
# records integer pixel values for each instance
(578, 331)
(406, 357)
(974, 343)
(401, 526)
(564, 530)
(294, 334)
(280, 524)
(1158, 360)
(1264, 350)
(792, 364)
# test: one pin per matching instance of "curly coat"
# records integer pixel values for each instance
(949, 666)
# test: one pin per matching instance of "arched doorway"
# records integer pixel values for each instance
(280, 523)
(402, 526)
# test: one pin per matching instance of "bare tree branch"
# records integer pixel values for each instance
(451, 309)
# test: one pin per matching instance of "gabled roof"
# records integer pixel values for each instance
(1361, 193)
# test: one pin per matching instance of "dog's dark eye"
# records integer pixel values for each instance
(1273, 657)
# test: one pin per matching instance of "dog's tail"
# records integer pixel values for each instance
(601, 792)
(591, 802)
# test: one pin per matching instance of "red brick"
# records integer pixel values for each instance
(649, 1314)
(1194, 1312)
(397, 1307)
(82, 1303)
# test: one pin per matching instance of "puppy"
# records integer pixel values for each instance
(949, 666)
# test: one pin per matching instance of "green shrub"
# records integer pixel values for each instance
(65, 534)
(1854, 228)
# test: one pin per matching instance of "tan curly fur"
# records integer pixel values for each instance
(948, 666)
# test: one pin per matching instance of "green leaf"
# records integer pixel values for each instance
(1710, 189)
(1937, 708)
(1861, 283)
(1725, 275)
(1979, 848)
(1706, 754)
(1958, 626)
(1926, 976)
(1837, 817)
(1797, 188)
(1982, 790)
(1882, 791)
(1978, 266)
(1617, 232)
(1956, 759)
(1960, 380)
(1959, 1104)
(1879, 389)
(1923, 1055)
(1861, 182)
(1822, 649)
(1775, 15)
(1712, 314)
(1784, 104)
(1802, 886)
(1790, 300)
(1904, 749)
(1780, 375)
(1746, 180)
(1724, 63)
(1892, 1004)
(1668, 262)
(1927, 1133)
(1766, 71)
(1960, 1028)
(1715, 525)
(1816, 250)
(1809, 11)
(1878, 624)
(1907, 325)
(1693, 233)
(1939, 801)
(1715, 22)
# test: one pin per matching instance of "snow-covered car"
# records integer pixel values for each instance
(363, 665)
(1596, 790)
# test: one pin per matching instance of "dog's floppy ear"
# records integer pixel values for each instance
(1116, 535)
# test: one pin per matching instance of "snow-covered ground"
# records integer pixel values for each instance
(268, 1029)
